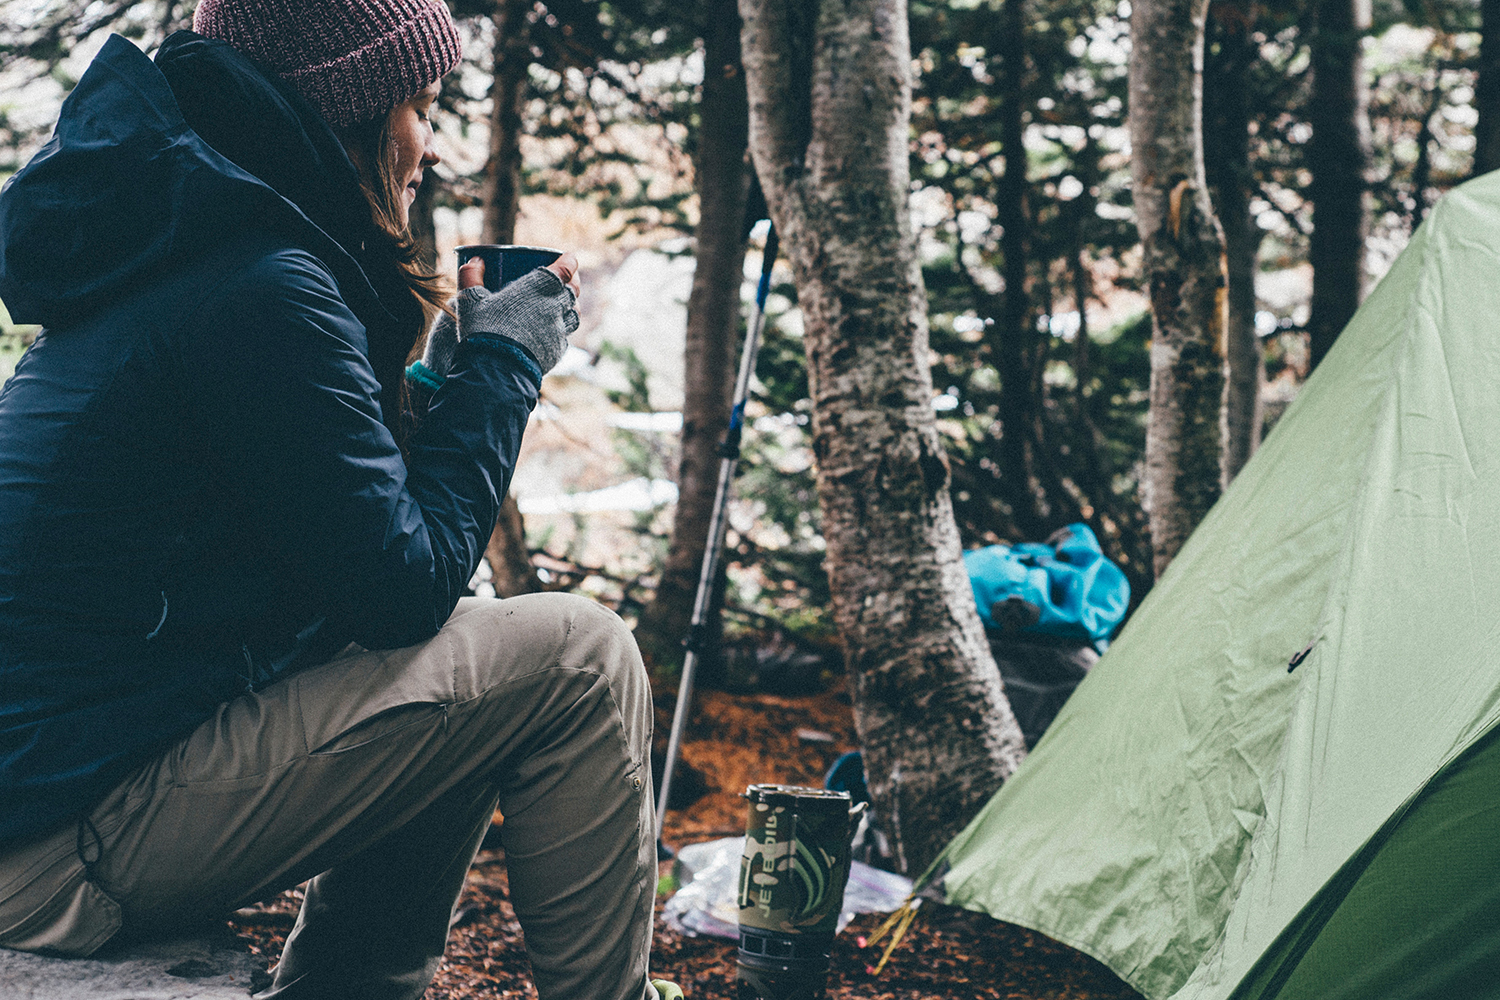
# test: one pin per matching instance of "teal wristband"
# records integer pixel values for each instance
(424, 376)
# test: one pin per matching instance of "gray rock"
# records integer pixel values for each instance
(210, 967)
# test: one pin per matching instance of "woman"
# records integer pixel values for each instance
(233, 653)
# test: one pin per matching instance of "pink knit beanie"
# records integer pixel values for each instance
(353, 60)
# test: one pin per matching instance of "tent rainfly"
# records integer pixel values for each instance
(1283, 780)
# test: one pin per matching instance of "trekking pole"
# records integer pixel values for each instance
(718, 522)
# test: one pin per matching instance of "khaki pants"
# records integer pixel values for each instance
(377, 773)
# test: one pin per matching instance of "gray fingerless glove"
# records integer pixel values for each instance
(437, 356)
(536, 311)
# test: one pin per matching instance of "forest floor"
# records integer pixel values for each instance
(737, 740)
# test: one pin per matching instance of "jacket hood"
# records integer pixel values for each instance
(125, 184)
(264, 126)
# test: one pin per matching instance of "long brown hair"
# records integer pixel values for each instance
(370, 147)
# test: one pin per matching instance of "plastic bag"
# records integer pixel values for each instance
(707, 902)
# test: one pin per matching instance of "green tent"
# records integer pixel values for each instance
(1210, 821)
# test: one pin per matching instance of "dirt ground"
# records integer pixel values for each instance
(736, 740)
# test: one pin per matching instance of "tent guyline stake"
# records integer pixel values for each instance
(729, 456)
(901, 922)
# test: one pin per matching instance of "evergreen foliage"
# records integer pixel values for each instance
(611, 77)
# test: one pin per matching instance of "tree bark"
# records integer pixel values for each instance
(1338, 157)
(713, 321)
(1230, 181)
(1014, 339)
(1487, 90)
(510, 561)
(829, 87)
(502, 171)
(1421, 170)
(506, 552)
(1185, 269)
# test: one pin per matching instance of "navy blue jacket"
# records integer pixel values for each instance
(198, 486)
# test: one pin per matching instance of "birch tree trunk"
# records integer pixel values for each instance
(510, 563)
(1338, 157)
(1185, 269)
(713, 320)
(829, 87)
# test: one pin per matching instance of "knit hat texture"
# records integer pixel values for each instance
(353, 60)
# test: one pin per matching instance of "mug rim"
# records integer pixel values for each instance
(506, 246)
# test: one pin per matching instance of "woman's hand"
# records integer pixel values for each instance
(535, 311)
(565, 267)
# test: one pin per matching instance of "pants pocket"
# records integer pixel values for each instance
(378, 727)
(76, 920)
(345, 703)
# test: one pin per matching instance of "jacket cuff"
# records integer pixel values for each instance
(509, 348)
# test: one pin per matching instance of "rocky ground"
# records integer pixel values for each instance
(948, 954)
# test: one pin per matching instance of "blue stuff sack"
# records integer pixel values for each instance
(1064, 588)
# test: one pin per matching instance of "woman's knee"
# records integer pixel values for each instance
(532, 632)
(599, 640)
